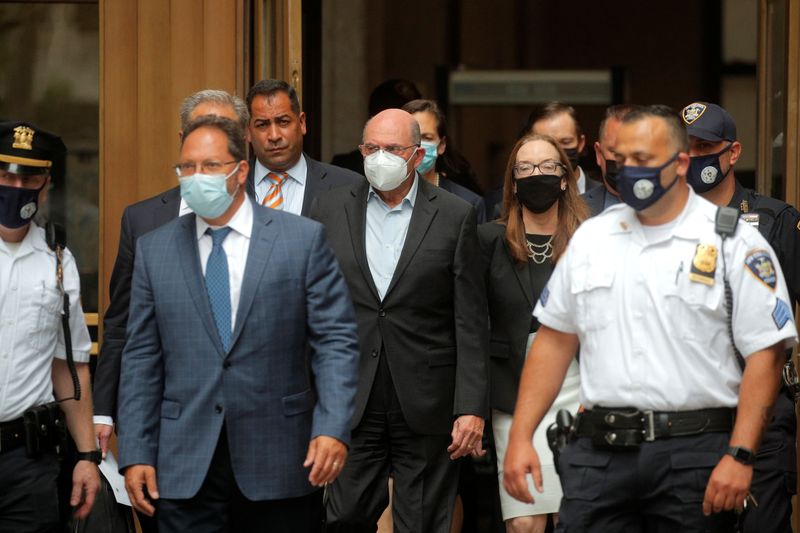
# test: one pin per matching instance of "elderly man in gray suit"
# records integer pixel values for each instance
(240, 368)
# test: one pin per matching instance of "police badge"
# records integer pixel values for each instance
(704, 264)
(692, 112)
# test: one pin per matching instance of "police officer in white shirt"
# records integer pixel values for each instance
(672, 421)
(33, 365)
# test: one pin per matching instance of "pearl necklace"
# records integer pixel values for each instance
(540, 253)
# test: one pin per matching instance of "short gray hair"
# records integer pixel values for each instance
(218, 97)
(232, 130)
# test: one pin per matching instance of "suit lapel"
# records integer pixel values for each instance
(169, 208)
(261, 243)
(520, 272)
(315, 174)
(193, 275)
(421, 218)
(251, 182)
(356, 211)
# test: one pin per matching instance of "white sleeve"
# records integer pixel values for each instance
(81, 342)
(556, 306)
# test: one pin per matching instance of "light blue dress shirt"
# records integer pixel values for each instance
(386, 234)
(293, 190)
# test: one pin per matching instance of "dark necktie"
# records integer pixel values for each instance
(218, 286)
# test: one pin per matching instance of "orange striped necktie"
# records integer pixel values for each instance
(274, 197)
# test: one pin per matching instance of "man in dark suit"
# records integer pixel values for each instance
(138, 219)
(409, 252)
(240, 368)
(281, 175)
(599, 198)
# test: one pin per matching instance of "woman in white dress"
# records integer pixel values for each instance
(541, 211)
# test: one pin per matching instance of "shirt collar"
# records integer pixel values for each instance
(685, 226)
(241, 222)
(297, 172)
(408, 199)
(33, 240)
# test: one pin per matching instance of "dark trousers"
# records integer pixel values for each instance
(425, 479)
(220, 506)
(657, 488)
(28, 493)
(775, 474)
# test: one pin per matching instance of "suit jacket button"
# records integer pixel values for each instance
(217, 408)
(374, 353)
(226, 365)
(381, 312)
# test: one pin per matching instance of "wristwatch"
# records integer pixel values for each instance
(743, 455)
(94, 456)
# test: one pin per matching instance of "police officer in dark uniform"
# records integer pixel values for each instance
(715, 150)
(44, 369)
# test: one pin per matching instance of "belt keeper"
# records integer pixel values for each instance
(649, 430)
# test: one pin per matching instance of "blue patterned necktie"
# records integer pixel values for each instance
(218, 286)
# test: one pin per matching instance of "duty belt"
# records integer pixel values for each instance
(629, 427)
(12, 435)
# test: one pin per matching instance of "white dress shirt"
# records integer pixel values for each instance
(30, 322)
(293, 189)
(236, 245)
(581, 181)
(652, 336)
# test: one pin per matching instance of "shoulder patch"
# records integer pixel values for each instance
(781, 314)
(759, 263)
(544, 296)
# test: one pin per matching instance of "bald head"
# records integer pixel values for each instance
(393, 127)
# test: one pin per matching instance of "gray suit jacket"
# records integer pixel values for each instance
(289, 376)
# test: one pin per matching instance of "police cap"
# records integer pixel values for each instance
(709, 122)
(27, 149)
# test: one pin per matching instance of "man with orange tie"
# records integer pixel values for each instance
(282, 176)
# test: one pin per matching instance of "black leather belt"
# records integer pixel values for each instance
(629, 427)
(12, 435)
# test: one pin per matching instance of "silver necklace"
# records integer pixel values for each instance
(540, 253)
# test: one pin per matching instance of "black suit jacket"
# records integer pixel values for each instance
(432, 320)
(137, 219)
(595, 198)
(511, 298)
(320, 177)
(467, 195)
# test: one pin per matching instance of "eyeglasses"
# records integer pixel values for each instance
(206, 167)
(369, 149)
(523, 170)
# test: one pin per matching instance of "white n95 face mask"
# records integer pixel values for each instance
(386, 171)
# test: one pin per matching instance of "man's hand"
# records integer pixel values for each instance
(103, 434)
(85, 484)
(521, 460)
(327, 455)
(137, 478)
(467, 434)
(727, 487)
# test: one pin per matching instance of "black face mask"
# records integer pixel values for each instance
(539, 193)
(705, 171)
(611, 173)
(573, 156)
(18, 205)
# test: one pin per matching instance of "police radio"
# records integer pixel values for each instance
(725, 225)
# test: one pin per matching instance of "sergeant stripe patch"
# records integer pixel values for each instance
(781, 314)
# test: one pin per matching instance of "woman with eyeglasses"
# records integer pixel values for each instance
(541, 211)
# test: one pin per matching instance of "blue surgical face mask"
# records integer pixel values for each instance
(207, 194)
(640, 187)
(429, 159)
(705, 172)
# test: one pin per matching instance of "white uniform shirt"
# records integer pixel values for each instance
(30, 323)
(293, 189)
(651, 337)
